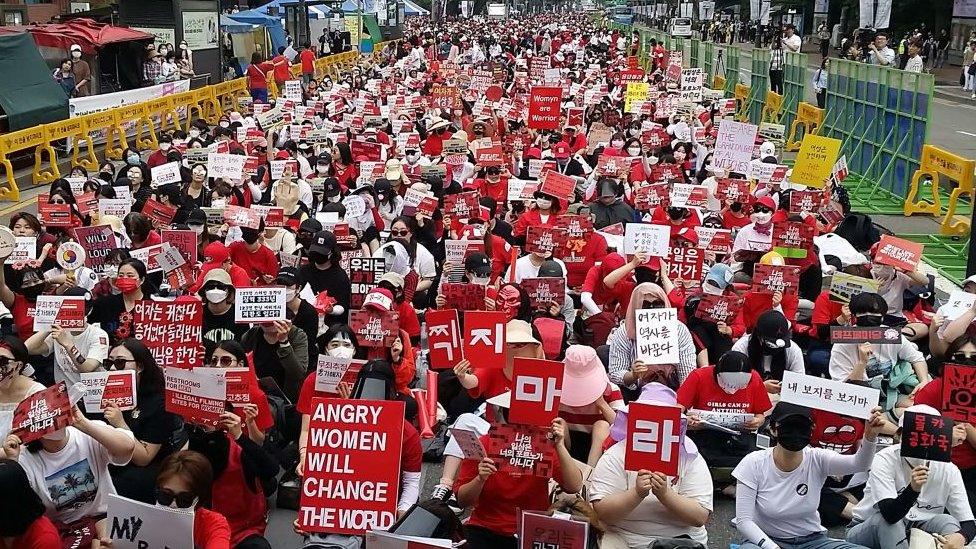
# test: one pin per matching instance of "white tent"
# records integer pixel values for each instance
(409, 8)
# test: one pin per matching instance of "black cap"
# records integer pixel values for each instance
(331, 187)
(196, 217)
(383, 186)
(550, 269)
(324, 243)
(784, 410)
(166, 138)
(478, 263)
(310, 225)
(287, 276)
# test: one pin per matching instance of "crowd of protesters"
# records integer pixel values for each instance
(384, 142)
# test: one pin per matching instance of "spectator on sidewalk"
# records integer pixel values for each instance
(820, 82)
(777, 61)
(66, 78)
(915, 62)
(152, 69)
(81, 71)
(823, 33)
(879, 53)
(943, 52)
(791, 40)
(968, 66)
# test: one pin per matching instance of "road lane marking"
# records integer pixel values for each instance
(966, 133)
(18, 206)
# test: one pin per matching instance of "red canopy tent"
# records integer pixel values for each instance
(88, 34)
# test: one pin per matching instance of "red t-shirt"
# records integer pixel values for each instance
(308, 58)
(578, 264)
(504, 496)
(964, 455)
(257, 78)
(825, 311)
(532, 218)
(151, 240)
(732, 222)
(23, 319)
(41, 534)
(498, 191)
(281, 68)
(257, 263)
(701, 392)
(210, 530)
(491, 383)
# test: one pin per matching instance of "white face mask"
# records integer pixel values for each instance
(194, 133)
(761, 218)
(290, 294)
(198, 229)
(76, 54)
(480, 280)
(633, 151)
(543, 203)
(342, 352)
(224, 124)
(617, 144)
(411, 158)
(321, 168)
(216, 295)
(165, 146)
(732, 382)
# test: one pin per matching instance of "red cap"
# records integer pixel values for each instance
(214, 255)
(688, 234)
(766, 201)
(379, 299)
(282, 155)
(560, 150)
(533, 152)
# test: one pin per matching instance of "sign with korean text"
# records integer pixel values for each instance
(173, 331)
(539, 531)
(117, 388)
(545, 106)
(685, 263)
(653, 240)
(484, 338)
(226, 165)
(536, 391)
(544, 291)
(805, 201)
(719, 308)
(844, 286)
(185, 241)
(865, 334)
(545, 240)
(161, 214)
(714, 240)
(776, 278)
(462, 205)
(196, 395)
(166, 173)
(731, 190)
(330, 371)
(443, 338)
(926, 436)
(42, 413)
(899, 253)
(373, 328)
(815, 161)
(522, 450)
(67, 312)
(364, 275)
(653, 438)
(259, 304)
(556, 184)
(463, 296)
(793, 239)
(657, 338)
(25, 248)
(352, 466)
(824, 394)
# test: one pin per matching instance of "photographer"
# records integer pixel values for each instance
(879, 53)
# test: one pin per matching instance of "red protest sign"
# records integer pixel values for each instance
(238, 385)
(653, 438)
(544, 291)
(87, 202)
(899, 253)
(463, 296)
(183, 240)
(53, 215)
(536, 389)
(685, 263)
(97, 241)
(540, 531)
(484, 338)
(490, 156)
(521, 450)
(173, 331)
(574, 116)
(196, 395)
(427, 206)
(545, 239)
(714, 240)
(236, 216)
(352, 466)
(374, 329)
(42, 413)
(161, 214)
(576, 226)
(613, 166)
(775, 278)
(959, 392)
(366, 150)
(493, 93)
(731, 189)
(652, 196)
(445, 97)
(666, 172)
(556, 184)
(805, 201)
(792, 239)
(443, 338)
(461, 205)
(719, 308)
(545, 108)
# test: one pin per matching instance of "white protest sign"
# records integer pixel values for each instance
(259, 304)
(293, 90)
(329, 371)
(958, 303)
(118, 207)
(117, 387)
(166, 173)
(653, 240)
(170, 258)
(730, 420)
(67, 312)
(355, 206)
(135, 525)
(825, 394)
(734, 146)
(25, 248)
(692, 81)
(657, 338)
(225, 165)
(515, 188)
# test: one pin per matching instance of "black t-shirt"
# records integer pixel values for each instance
(109, 311)
(217, 328)
(306, 319)
(333, 280)
(150, 422)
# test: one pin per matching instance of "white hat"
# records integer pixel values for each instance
(75, 47)
(767, 149)
(438, 124)
(919, 409)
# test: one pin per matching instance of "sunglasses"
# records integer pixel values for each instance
(222, 361)
(6, 362)
(761, 209)
(493, 172)
(58, 201)
(963, 356)
(183, 500)
(117, 363)
(404, 232)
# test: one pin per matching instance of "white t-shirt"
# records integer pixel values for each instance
(525, 269)
(890, 474)
(843, 356)
(786, 503)
(893, 293)
(794, 356)
(651, 520)
(424, 263)
(749, 239)
(92, 343)
(73, 483)
(792, 43)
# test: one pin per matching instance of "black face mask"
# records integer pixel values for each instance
(250, 237)
(316, 257)
(31, 293)
(736, 207)
(870, 321)
(676, 213)
(794, 434)
(215, 446)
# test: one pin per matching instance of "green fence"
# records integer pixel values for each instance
(730, 56)
(758, 84)
(881, 116)
(706, 52)
(794, 86)
(695, 59)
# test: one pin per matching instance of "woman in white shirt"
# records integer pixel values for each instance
(771, 350)
(640, 507)
(778, 489)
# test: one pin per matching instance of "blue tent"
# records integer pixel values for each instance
(229, 25)
(273, 24)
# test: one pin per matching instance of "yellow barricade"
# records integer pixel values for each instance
(81, 143)
(718, 82)
(809, 118)
(227, 93)
(12, 142)
(73, 132)
(741, 96)
(105, 121)
(772, 111)
(935, 163)
(145, 131)
(163, 113)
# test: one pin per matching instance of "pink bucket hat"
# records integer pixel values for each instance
(585, 378)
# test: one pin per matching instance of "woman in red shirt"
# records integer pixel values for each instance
(344, 168)
(542, 215)
(186, 480)
(257, 78)
(24, 525)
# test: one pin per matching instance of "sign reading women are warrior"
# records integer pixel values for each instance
(352, 466)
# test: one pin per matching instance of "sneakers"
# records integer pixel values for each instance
(441, 492)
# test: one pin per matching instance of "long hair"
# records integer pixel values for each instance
(20, 505)
(151, 377)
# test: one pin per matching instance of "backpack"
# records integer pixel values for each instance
(859, 230)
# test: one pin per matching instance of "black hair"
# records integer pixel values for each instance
(151, 377)
(136, 264)
(868, 303)
(235, 348)
(21, 505)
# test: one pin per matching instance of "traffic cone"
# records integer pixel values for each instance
(432, 396)
(420, 396)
